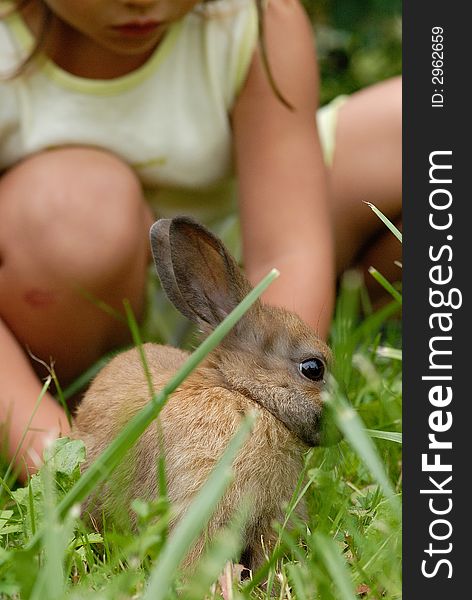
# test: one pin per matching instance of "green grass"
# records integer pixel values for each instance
(347, 547)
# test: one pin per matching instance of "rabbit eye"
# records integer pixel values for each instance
(312, 368)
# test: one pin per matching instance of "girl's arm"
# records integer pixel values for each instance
(282, 179)
(19, 393)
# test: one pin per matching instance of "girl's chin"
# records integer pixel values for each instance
(134, 39)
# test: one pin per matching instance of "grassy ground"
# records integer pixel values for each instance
(348, 547)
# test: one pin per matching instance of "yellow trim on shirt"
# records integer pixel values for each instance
(247, 49)
(327, 122)
(99, 87)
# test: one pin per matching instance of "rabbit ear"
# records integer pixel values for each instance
(161, 252)
(197, 273)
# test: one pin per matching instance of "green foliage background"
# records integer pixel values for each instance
(359, 43)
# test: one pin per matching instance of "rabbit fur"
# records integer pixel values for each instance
(255, 366)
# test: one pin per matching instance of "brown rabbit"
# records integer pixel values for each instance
(271, 361)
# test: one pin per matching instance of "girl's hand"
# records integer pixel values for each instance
(26, 426)
(282, 179)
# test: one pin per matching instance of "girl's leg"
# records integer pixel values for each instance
(73, 225)
(367, 168)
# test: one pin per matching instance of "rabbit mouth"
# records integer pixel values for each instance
(304, 420)
(309, 423)
(324, 434)
(310, 437)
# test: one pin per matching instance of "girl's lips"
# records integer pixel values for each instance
(137, 28)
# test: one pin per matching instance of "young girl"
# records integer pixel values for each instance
(115, 112)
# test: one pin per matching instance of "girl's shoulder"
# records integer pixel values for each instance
(231, 18)
(17, 43)
(11, 52)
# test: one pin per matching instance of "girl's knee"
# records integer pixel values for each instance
(390, 101)
(77, 212)
(366, 166)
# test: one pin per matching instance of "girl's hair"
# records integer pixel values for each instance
(264, 54)
(40, 40)
(47, 18)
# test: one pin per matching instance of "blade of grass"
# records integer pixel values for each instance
(386, 221)
(133, 326)
(195, 518)
(346, 316)
(59, 395)
(298, 579)
(335, 565)
(101, 304)
(51, 581)
(31, 507)
(385, 284)
(224, 547)
(386, 352)
(390, 436)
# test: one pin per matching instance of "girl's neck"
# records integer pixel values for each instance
(76, 54)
